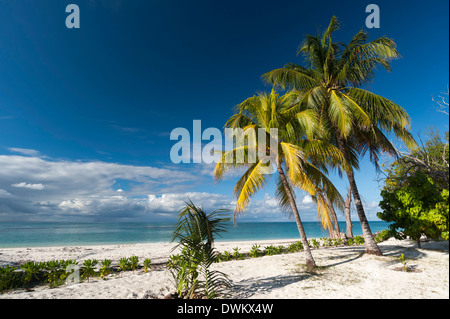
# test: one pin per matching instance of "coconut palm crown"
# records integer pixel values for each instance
(287, 148)
(354, 119)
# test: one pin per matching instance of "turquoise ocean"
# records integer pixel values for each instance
(32, 234)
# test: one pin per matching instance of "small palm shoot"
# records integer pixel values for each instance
(147, 263)
(124, 264)
(195, 232)
(31, 270)
(134, 262)
(53, 268)
(255, 251)
(404, 262)
(89, 268)
(105, 269)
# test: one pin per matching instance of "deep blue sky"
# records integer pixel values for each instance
(112, 91)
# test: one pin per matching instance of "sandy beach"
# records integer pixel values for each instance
(344, 272)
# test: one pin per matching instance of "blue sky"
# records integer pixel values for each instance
(86, 114)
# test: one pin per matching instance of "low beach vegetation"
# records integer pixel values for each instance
(55, 272)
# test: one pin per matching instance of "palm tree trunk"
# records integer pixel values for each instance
(336, 232)
(310, 263)
(348, 219)
(369, 242)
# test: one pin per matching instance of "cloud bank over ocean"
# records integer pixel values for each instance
(43, 189)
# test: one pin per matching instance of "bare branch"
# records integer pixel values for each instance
(442, 102)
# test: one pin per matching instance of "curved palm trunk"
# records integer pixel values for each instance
(371, 245)
(335, 232)
(348, 219)
(369, 242)
(310, 263)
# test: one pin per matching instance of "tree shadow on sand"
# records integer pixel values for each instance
(339, 255)
(249, 287)
(412, 252)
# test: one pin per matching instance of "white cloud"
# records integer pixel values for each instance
(24, 151)
(4, 193)
(175, 201)
(72, 189)
(307, 200)
(29, 186)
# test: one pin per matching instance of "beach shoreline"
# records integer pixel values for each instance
(345, 272)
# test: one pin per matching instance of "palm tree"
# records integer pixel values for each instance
(195, 232)
(355, 119)
(299, 161)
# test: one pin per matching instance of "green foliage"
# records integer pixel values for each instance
(270, 250)
(404, 262)
(255, 251)
(147, 263)
(32, 270)
(359, 240)
(297, 246)
(225, 256)
(55, 272)
(9, 278)
(431, 158)
(89, 268)
(134, 262)
(105, 269)
(382, 236)
(195, 232)
(314, 243)
(124, 264)
(237, 254)
(326, 242)
(417, 208)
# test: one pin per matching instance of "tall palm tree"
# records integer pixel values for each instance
(299, 161)
(355, 119)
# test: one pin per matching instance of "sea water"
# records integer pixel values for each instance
(32, 234)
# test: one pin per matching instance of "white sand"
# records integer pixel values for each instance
(345, 272)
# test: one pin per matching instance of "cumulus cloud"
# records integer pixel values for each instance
(29, 186)
(4, 193)
(39, 188)
(175, 201)
(24, 151)
(73, 189)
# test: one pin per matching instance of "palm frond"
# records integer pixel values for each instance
(252, 180)
(339, 114)
(287, 78)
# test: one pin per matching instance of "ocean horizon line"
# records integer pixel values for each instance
(58, 234)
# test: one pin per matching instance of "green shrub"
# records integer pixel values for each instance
(255, 251)
(134, 262)
(225, 256)
(88, 269)
(270, 250)
(147, 263)
(105, 269)
(297, 246)
(236, 253)
(359, 240)
(32, 270)
(382, 236)
(124, 264)
(9, 278)
(314, 243)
